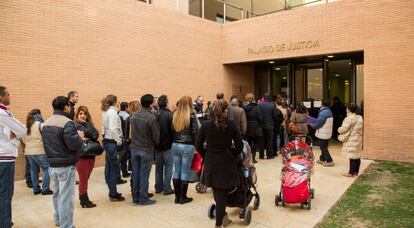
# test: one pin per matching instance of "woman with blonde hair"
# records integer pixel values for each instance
(185, 127)
(86, 163)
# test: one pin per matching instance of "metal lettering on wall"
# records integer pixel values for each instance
(292, 46)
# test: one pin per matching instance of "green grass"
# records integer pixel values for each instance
(382, 197)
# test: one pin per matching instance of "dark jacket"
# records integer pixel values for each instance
(254, 118)
(72, 110)
(145, 131)
(221, 168)
(61, 140)
(188, 135)
(270, 119)
(164, 117)
(90, 132)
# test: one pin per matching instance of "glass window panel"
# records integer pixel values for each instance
(315, 84)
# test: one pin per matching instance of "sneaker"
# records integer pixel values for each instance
(328, 164)
(116, 198)
(147, 202)
(48, 192)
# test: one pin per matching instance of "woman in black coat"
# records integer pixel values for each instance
(254, 119)
(220, 161)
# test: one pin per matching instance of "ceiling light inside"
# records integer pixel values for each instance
(271, 62)
(330, 56)
(337, 75)
(277, 68)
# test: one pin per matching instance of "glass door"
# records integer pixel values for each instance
(280, 81)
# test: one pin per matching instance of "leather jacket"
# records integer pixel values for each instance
(189, 134)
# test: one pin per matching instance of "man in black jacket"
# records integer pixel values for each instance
(73, 100)
(268, 111)
(145, 135)
(163, 157)
(62, 144)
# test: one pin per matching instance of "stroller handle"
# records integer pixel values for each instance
(306, 137)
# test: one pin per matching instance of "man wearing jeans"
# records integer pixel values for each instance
(145, 135)
(62, 144)
(323, 126)
(163, 158)
(10, 130)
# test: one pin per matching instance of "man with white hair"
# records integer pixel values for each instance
(239, 116)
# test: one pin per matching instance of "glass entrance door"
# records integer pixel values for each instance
(308, 82)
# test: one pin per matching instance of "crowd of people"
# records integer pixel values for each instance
(138, 133)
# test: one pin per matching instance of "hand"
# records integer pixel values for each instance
(82, 121)
(12, 136)
(82, 135)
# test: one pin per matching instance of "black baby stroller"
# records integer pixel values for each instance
(242, 195)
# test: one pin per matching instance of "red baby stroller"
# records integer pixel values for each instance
(298, 158)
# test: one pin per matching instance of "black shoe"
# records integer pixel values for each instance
(183, 193)
(177, 184)
(270, 157)
(116, 198)
(48, 192)
(37, 192)
(150, 195)
(158, 192)
(126, 175)
(85, 202)
(254, 161)
(29, 184)
(121, 181)
(169, 193)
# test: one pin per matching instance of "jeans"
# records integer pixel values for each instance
(163, 170)
(267, 142)
(354, 165)
(141, 167)
(27, 174)
(325, 155)
(6, 193)
(126, 161)
(84, 168)
(63, 181)
(37, 162)
(182, 156)
(111, 167)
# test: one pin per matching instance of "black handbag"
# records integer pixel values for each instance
(91, 148)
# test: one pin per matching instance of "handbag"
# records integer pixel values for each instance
(293, 128)
(258, 132)
(197, 162)
(91, 148)
(345, 136)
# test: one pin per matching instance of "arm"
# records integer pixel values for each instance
(346, 126)
(71, 137)
(194, 126)
(14, 125)
(199, 143)
(91, 131)
(155, 131)
(237, 139)
(243, 122)
(320, 121)
(115, 127)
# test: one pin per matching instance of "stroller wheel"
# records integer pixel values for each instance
(247, 217)
(312, 191)
(212, 211)
(256, 203)
(200, 188)
(283, 203)
(302, 205)
(277, 200)
(308, 204)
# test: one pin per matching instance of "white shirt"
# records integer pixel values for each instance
(124, 115)
(8, 148)
(112, 125)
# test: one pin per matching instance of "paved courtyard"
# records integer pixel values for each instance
(329, 184)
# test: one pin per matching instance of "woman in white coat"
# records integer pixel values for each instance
(351, 136)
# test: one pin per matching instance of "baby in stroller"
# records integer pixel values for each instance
(298, 159)
(242, 195)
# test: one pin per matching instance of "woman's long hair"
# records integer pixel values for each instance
(108, 101)
(300, 108)
(30, 119)
(220, 112)
(135, 106)
(86, 111)
(181, 117)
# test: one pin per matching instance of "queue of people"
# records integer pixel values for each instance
(136, 134)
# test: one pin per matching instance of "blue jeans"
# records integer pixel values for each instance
(111, 167)
(141, 162)
(63, 185)
(37, 162)
(163, 170)
(27, 175)
(6, 193)
(182, 156)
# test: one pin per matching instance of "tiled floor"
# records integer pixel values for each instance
(329, 185)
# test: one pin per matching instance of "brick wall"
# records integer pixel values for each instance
(383, 29)
(124, 47)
